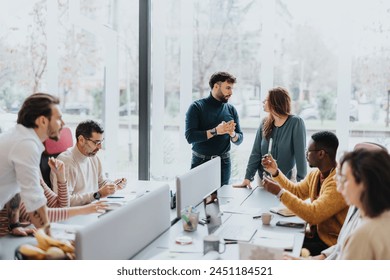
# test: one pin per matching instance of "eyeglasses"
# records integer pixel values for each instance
(96, 142)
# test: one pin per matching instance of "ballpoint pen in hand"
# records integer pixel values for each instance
(119, 182)
(270, 146)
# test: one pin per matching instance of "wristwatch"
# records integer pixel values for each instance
(97, 195)
(213, 131)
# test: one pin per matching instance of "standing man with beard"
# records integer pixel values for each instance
(84, 172)
(212, 124)
(39, 118)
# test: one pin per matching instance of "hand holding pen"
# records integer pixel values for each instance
(120, 183)
(269, 164)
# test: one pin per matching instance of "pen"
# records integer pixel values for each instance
(257, 217)
(120, 182)
(230, 242)
(270, 146)
(115, 197)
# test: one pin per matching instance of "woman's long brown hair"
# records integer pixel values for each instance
(279, 104)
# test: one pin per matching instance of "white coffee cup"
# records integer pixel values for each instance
(266, 218)
(212, 243)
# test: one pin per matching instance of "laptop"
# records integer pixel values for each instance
(122, 233)
(215, 224)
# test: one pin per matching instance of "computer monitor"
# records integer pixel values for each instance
(192, 186)
(122, 233)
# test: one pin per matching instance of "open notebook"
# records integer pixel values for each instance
(215, 226)
(283, 211)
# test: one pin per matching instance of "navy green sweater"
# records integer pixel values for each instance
(205, 114)
(288, 148)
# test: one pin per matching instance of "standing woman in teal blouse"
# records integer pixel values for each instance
(288, 134)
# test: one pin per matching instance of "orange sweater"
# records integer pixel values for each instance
(328, 211)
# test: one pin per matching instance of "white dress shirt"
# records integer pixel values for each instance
(20, 155)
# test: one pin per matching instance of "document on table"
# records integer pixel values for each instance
(241, 210)
(272, 239)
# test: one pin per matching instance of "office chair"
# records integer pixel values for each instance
(53, 149)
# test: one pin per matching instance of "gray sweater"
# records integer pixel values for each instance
(288, 148)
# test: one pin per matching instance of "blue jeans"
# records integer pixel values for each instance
(226, 167)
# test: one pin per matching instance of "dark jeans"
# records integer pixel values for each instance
(314, 244)
(226, 167)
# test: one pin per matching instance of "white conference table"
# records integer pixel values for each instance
(160, 247)
(164, 246)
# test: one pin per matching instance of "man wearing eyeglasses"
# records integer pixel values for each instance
(327, 209)
(84, 171)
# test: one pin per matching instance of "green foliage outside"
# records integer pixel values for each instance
(325, 106)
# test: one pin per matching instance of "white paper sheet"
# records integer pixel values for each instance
(272, 239)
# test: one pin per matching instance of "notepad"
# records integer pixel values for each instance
(273, 239)
(282, 211)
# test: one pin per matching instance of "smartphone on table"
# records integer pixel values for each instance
(290, 224)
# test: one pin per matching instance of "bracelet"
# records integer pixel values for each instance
(235, 134)
(14, 225)
(277, 173)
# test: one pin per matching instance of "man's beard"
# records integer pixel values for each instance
(50, 131)
(55, 138)
(93, 153)
(222, 97)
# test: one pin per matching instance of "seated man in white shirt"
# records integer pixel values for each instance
(86, 182)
